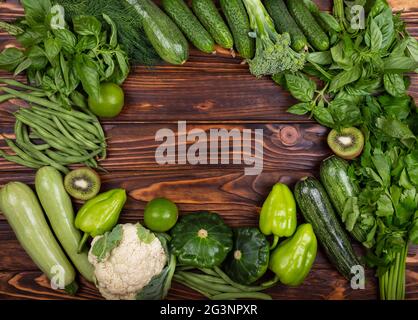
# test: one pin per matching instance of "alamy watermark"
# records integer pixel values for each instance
(218, 146)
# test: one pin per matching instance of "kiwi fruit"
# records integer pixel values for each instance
(82, 184)
(346, 143)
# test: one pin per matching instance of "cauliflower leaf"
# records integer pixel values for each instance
(107, 243)
(144, 235)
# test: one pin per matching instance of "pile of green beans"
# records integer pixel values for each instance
(214, 284)
(49, 134)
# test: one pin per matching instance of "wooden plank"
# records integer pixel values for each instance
(133, 146)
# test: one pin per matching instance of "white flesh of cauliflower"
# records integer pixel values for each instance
(129, 267)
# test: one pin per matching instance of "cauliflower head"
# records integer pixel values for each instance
(125, 260)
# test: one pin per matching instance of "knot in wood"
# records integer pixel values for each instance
(289, 135)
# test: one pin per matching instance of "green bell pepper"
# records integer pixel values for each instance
(278, 214)
(292, 260)
(100, 214)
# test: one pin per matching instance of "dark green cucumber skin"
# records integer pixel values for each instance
(316, 36)
(317, 210)
(164, 35)
(239, 23)
(339, 187)
(183, 16)
(284, 22)
(211, 19)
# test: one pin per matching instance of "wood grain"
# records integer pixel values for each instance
(209, 91)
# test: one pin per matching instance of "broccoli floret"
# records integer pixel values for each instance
(273, 53)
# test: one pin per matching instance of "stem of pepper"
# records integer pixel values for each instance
(82, 242)
(275, 242)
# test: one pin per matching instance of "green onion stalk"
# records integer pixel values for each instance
(392, 282)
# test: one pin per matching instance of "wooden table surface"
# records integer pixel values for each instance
(209, 91)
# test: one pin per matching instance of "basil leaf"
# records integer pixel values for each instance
(122, 72)
(374, 37)
(300, 87)
(144, 235)
(87, 26)
(32, 36)
(10, 58)
(25, 64)
(323, 116)
(342, 54)
(383, 166)
(107, 243)
(345, 77)
(300, 108)
(36, 11)
(52, 49)
(345, 113)
(113, 42)
(67, 39)
(384, 21)
(322, 58)
(108, 60)
(396, 129)
(412, 49)
(394, 64)
(87, 72)
(394, 84)
(86, 43)
(38, 58)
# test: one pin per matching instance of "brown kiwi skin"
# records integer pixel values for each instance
(346, 156)
(79, 195)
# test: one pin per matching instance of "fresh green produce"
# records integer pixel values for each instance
(343, 192)
(273, 53)
(201, 239)
(278, 214)
(24, 214)
(183, 16)
(100, 214)
(327, 21)
(59, 210)
(239, 23)
(82, 184)
(60, 57)
(211, 19)
(160, 215)
(292, 260)
(347, 143)
(128, 23)
(110, 101)
(67, 137)
(249, 258)
(317, 210)
(132, 263)
(284, 22)
(162, 32)
(216, 285)
(316, 36)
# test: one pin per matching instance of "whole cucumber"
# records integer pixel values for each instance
(59, 210)
(239, 23)
(181, 14)
(24, 214)
(316, 36)
(211, 19)
(284, 22)
(162, 32)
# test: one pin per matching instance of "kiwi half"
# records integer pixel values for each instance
(346, 143)
(82, 184)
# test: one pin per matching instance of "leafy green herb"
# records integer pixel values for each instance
(107, 243)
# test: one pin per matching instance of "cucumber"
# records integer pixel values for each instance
(59, 210)
(316, 36)
(162, 32)
(317, 210)
(211, 19)
(181, 14)
(239, 23)
(284, 22)
(24, 214)
(340, 188)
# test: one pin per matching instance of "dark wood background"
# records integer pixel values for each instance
(209, 91)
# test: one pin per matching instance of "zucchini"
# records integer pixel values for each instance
(239, 23)
(211, 19)
(181, 14)
(317, 210)
(284, 22)
(340, 189)
(162, 32)
(316, 36)
(59, 210)
(24, 214)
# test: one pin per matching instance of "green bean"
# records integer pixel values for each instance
(184, 268)
(77, 115)
(18, 84)
(208, 278)
(22, 154)
(215, 286)
(209, 272)
(26, 140)
(41, 121)
(19, 160)
(81, 133)
(84, 126)
(101, 133)
(29, 98)
(6, 97)
(70, 159)
(242, 295)
(206, 293)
